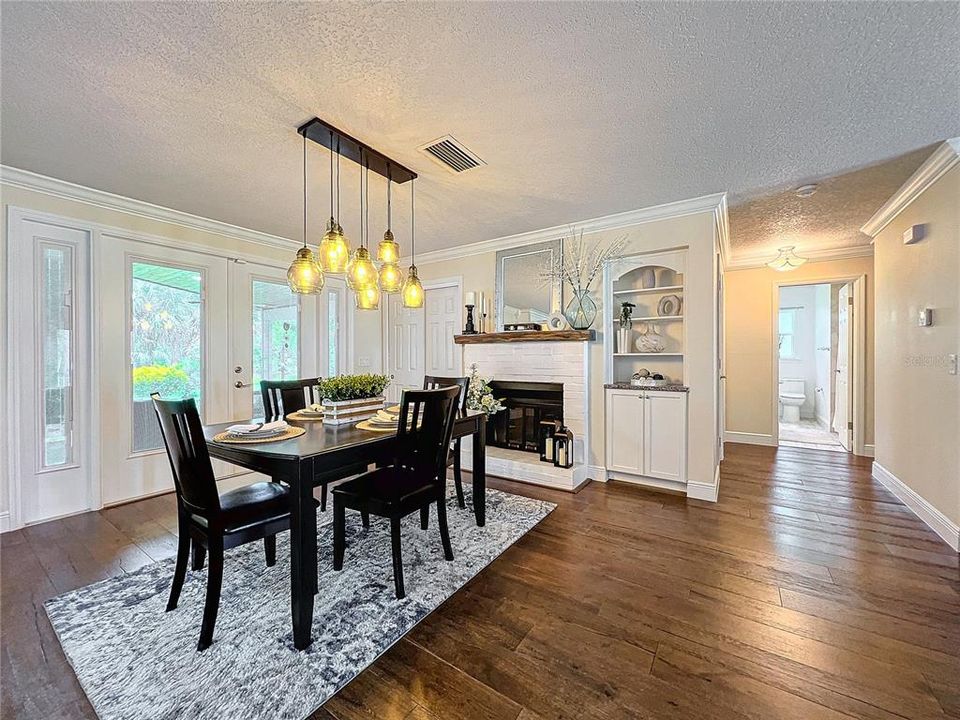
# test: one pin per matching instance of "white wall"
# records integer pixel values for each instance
(802, 298)
(822, 339)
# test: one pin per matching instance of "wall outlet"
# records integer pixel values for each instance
(952, 364)
(925, 317)
(363, 361)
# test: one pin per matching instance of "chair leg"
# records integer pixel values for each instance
(199, 552)
(212, 603)
(424, 517)
(457, 476)
(270, 549)
(365, 517)
(444, 531)
(339, 533)
(397, 559)
(180, 573)
(323, 498)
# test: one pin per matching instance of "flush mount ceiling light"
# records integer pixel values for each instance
(304, 275)
(786, 260)
(805, 191)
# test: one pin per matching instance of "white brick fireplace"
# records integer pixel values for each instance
(531, 361)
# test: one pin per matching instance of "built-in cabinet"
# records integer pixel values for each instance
(646, 438)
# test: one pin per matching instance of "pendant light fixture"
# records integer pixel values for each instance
(361, 272)
(367, 296)
(411, 292)
(334, 251)
(305, 276)
(388, 252)
(786, 260)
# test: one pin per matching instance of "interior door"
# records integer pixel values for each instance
(274, 335)
(406, 347)
(442, 319)
(841, 419)
(164, 327)
(49, 273)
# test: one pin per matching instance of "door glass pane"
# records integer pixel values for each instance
(56, 349)
(333, 332)
(275, 333)
(166, 343)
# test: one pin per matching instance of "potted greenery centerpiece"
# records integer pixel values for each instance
(352, 398)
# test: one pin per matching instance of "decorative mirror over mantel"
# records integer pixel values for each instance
(521, 295)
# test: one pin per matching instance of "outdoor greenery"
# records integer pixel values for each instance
(353, 387)
(170, 381)
(480, 396)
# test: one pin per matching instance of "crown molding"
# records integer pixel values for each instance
(748, 262)
(715, 203)
(942, 159)
(15, 177)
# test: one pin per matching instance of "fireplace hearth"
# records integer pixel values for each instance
(527, 404)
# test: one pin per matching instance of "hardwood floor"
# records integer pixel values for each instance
(808, 592)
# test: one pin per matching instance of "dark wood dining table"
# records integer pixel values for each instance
(325, 453)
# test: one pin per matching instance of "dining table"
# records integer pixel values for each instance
(322, 454)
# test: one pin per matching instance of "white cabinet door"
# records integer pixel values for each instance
(664, 435)
(624, 431)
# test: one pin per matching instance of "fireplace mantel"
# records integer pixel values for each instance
(526, 336)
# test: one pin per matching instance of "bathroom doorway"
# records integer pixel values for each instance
(815, 404)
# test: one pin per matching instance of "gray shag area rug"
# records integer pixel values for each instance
(136, 661)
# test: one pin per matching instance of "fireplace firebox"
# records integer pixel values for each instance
(527, 404)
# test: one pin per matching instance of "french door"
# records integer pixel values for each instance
(51, 461)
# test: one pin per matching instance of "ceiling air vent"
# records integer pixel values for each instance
(451, 154)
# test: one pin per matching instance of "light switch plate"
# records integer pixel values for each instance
(925, 317)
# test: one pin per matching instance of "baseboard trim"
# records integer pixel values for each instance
(749, 438)
(936, 520)
(703, 491)
(597, 473)
(869, 450)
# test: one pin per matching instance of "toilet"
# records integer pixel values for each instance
(792, 396)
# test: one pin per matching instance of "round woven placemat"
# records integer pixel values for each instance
(228, 439)
(365, 425)
(304, 418)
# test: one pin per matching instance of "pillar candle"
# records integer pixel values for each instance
(471, 298)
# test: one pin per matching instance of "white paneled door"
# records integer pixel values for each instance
(442, 318)
(50, 304)
(842, 408)
(405, 341)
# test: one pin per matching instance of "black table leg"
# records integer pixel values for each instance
(303, 553)
(480, 472)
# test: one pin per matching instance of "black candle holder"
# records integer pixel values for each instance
(469, 329)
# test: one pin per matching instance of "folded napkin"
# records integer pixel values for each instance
(258, 428)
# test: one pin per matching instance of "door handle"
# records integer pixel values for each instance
(240, 384)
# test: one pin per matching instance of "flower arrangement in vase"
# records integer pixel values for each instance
(480, 395)
(578, 265)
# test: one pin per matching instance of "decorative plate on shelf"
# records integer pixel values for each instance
(669, 306)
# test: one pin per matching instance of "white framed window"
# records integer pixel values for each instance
(787, 329)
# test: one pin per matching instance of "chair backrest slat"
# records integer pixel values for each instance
(431, 382)
(189, 458)
(282, 397)
(425, 429)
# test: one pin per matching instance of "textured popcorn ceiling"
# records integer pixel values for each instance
(830, 218)
(580, 110)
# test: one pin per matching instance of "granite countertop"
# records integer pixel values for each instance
(672, 387)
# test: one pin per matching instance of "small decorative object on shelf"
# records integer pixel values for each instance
(578, 266)
(557, 322)
(649, 342)
(648, 278)
(522, 327)
(669, 306)
(639, 376)
(626, 323)
(350, 398)
(563, 447)
(655, 380)
(470, 328)
(479, 395)
(548, 429)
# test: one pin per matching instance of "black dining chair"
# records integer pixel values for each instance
(213, 522)
(282, 397)
(416, 479)
(453, 459)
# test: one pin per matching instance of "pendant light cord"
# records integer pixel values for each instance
(338, 179)
(361, 197)
(366, 176)
(389, 183)
(331, 173)
(413, 235)
(304, 189)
